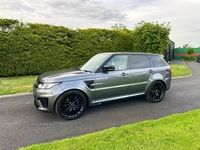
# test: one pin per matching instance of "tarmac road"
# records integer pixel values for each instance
(21, 124)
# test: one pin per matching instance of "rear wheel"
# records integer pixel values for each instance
(156, 92)
(71, 105)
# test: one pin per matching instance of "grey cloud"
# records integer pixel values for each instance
(88, 9)
(18, 5)
(93, 10)
(104, 14)
(67, 4)
(11, 5)
(27, 8)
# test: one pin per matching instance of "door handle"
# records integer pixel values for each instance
(151, 71)
(124, 74)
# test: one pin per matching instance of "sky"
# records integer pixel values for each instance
(183, 15)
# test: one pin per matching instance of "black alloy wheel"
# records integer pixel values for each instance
(156, 92)
(71, 105)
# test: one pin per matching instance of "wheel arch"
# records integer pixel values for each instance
(149, 85)
(156, 94)
(87, 98)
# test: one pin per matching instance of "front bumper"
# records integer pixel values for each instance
(44, 99)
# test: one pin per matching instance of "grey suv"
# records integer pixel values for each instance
(105, 77)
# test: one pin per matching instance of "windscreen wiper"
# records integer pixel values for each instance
(87, 71)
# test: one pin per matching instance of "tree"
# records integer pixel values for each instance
(186, 46)
(190, 51)
(119, 26)
(151, 37)
(7, 24)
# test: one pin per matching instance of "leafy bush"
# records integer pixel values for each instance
(188, 58)
(31, 49)
(190, 51)
(151, 37)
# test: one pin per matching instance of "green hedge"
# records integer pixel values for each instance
(31, 49)
(189, 58)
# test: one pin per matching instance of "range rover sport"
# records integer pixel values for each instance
(105, 77)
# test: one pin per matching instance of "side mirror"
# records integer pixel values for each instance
(108, 68)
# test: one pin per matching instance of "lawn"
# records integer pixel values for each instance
(180, 70)
(13, 85)
(175, 132)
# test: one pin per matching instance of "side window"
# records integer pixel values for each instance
(139, 61)
(157, 61)
(119, 61)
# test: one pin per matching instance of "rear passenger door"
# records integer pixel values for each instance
(140, 73)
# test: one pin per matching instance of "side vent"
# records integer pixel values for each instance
(89, 84)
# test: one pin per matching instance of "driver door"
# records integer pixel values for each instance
(111, 85)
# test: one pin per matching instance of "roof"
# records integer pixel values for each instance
(130, 53)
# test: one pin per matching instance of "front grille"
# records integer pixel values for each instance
(44, 102)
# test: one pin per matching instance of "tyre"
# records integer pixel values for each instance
(71, 105)
(156, 92)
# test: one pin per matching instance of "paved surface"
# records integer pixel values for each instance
(22, 124)
(176, 62)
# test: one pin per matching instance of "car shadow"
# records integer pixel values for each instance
(122, 104)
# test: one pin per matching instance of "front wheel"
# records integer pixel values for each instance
(156, 92)
(71, 105)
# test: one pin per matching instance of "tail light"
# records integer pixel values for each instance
(169, 70)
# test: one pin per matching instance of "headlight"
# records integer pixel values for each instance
(47, 85)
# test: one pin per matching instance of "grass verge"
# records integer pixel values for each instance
(179, 131)
(180, 70)
(15, 85)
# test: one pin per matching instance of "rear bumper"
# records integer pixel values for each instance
(168, 83)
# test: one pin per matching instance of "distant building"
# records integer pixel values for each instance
(169, 52)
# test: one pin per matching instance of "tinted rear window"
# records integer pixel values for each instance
(157, 60)
(139, 61)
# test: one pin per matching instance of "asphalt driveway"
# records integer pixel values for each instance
(22, 124)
